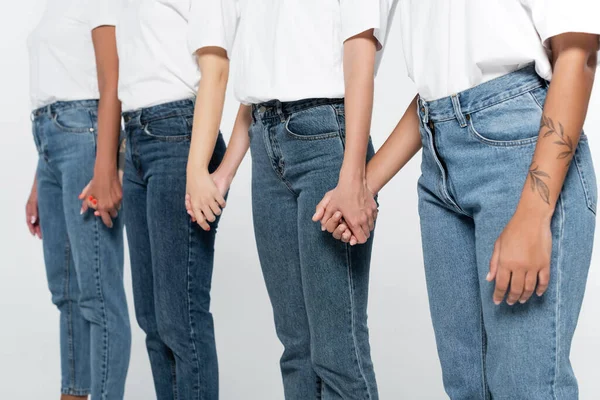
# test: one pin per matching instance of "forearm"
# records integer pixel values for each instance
(359, 69)
(210, 101)
(238, 144)
(398, 149)
(109, 128)
(564, 114)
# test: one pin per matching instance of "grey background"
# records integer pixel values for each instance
(402, 338)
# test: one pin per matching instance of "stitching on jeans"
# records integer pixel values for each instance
(189, 301)
(104, 381)
(174, 378)
(70, 312)
(558, 283)
(483, 355)
(352, 325)
(586, 191)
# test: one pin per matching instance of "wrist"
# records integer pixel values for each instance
(539, 213)
(105, 169)
(353, 173)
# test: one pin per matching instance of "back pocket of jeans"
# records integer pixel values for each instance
(513, 122)
(314, 123)
(73, 120)
(585, 168)
(170, 129)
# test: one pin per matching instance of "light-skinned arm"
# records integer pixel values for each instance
(104, 192)
(521, 256)
(352, 197)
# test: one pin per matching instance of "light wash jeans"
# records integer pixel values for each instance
(171, 256)
(477, 149)
(84, 258)
(318, 286)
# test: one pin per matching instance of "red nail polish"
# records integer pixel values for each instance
(91, 198)
(94, 202)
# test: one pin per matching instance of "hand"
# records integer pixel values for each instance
(521, 258)
(356, 203)
(32, 214)
(205, 196)
(103, 194)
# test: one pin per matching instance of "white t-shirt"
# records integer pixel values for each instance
(454, 45)
(155, 64)
(286, 49)
(62, 62)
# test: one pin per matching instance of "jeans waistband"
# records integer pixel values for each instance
(482, 96)
(278, 109)
(177, 108)
(63, 105)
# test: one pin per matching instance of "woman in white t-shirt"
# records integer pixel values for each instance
(507, 196)
(76, 127)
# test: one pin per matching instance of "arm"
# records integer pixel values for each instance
(399, 148)
(521, 257)
(104, 192)
(352, 198)
(204, 201)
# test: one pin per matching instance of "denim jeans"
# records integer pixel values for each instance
(477, 150)
(171, 256)
(318, 286)
(84, 258)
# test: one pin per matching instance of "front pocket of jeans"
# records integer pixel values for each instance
(170, 129)
(315, 123)
(585, 169)
(513, 122)
(73, 120)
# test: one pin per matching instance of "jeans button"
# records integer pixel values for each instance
(262, 109)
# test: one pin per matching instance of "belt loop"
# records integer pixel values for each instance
(424, 109)
(280, 111)
(458, 112)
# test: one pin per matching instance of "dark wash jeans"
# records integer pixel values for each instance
(84, 258)
(477, 149)
(171, 257)
(318, 286)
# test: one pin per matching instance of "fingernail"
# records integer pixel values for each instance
(33, 219)
(91, 198)
(487, 278)
(497, 302)
(522, 301)
(322, 228)
(81, 211)
(94, 202)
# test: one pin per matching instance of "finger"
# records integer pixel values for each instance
(502, 281)
(333, 222)
(191, 214)
(339, 231)
(201, 220)
(31, 220)
(493, 264)
(220, 200)
(188, 203)
(85, 191)
(106, 219)
(208, 214)
(371, 221)
(113, 213)
(215, 208)
(38, 230)
(517, 284)
(543, 281)
(530, 281)
(346, 236)
(353, 240)
(321, 207)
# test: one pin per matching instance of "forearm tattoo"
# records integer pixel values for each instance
(564, 141)
(537, 183)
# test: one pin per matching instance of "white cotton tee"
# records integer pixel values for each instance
(62, 64)
(454, 45)
(286, 49)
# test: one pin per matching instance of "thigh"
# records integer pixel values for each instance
(453, 285)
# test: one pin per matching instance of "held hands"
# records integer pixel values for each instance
(205, 196)
(348, 212)
(520, 262)
(103, 194)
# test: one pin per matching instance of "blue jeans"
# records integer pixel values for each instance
(477, 149)
(171, 257)
(84, 258)
(318, 286)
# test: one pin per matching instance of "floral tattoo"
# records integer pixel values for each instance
(537, 183)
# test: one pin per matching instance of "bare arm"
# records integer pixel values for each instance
(105, 188)
(237, 147)
(352, 199)
(521, 257)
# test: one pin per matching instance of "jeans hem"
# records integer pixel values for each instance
(75, 392)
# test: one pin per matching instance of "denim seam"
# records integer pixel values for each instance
(586, 191)
(499, 143)
(66, 129)
(321, 136)
(535, 99)
(104, 378)
(352, 321)
(75, 391)
(174, 379)
(558, 297)
(189, 301)
(70, 313)
(483, 355)
(174, 138)
(270, 146)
